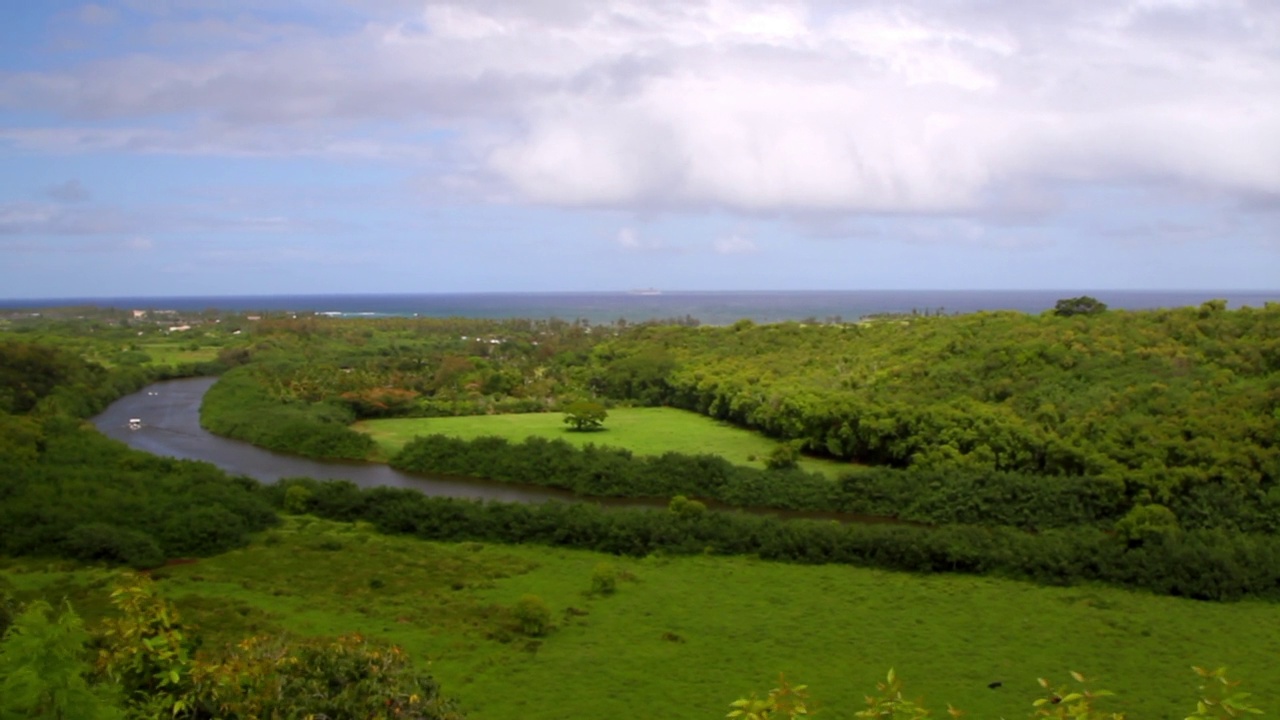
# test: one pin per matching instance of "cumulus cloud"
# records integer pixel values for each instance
(747, 105)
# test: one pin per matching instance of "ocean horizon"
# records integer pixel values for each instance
(710, 307)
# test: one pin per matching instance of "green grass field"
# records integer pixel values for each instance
(644, 431)
(682, 637)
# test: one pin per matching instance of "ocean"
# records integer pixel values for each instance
(715, 308)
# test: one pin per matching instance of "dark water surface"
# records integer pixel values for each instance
(713, 308)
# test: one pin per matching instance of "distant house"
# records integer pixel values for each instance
(179, 328)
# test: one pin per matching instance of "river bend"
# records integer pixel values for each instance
(170, 425)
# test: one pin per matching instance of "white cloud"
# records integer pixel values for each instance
(752, 106)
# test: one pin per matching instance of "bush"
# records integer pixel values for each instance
(204, 531)
(43, 669)
(783, 457)
(533, 616)
(297, 500)
(604, 579)
(1147, 523)
(682, 506)
(101, 542)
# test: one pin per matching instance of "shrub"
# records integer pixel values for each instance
(604, 579)
(297, 500)
(42, 669)
(533, 616)
(1147, 523)
(101, 542)
(784, 457)
(683, 507)
(204, 531)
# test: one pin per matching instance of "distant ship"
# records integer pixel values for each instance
(646, 291)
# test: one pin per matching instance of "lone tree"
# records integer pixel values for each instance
(585, 415)
(1083, 305)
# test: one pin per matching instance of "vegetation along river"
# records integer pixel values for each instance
(170, 425)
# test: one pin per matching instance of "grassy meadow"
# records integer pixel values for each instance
(644, 431)
(682, 637)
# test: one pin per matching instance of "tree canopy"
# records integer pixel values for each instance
(1083, 305)
(585, 415)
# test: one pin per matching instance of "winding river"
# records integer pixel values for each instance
(170, 425)
(169, 415)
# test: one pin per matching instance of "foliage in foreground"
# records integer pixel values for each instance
(145, 667)
(1217, 699)
(43, 669)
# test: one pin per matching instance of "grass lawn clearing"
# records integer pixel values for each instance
(644, 431)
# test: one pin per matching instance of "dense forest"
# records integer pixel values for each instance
(1158, 400)
(1179, 407)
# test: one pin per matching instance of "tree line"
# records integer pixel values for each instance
(1205, 564)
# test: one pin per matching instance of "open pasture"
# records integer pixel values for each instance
(643, 431)
(682, 637)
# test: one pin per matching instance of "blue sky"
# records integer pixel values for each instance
(211, 147)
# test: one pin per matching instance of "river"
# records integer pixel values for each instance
(170, 426)
(169, 415)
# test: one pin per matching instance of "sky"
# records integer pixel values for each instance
(231, 147)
